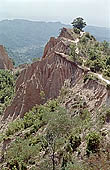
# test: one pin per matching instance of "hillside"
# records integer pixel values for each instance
(25, 39)
(59, 117)
(101, 33)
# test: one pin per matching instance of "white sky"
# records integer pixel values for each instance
(95, 12)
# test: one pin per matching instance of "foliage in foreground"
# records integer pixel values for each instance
(49, 137)
(6, 89)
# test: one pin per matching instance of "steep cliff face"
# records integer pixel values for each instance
(5, 62)
(60, 44)
(44, 79)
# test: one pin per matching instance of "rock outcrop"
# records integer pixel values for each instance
(44, 79)
(60, 44)
(5, 62)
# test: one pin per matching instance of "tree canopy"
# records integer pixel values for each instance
(79, 23)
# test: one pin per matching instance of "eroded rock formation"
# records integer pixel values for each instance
(5, 62)
(44, 79)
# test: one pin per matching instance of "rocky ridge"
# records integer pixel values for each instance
(85, 97)
(44, 79)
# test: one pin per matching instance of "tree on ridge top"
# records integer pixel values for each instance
(79, 23)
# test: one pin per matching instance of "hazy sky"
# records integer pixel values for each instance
(95, 12)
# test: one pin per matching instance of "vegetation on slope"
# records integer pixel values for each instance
(52, 137)
(92, 54)
(6, 89)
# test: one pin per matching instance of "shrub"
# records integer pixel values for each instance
(20, 152)
(108, 86)
(89, 77)
(52, 105)
(42, 95)
(84, 113)
(74, 141)
(76, 30)
(73, 53)
(96, 66)
(14, 127)
(93, 141)
(83, 40)
(6, 89)
(108, 61)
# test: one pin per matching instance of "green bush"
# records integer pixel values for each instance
(6, 89)
(84, 113)
(76, 30)
(74, 141)
(75, 166)
(14, 127)
(93, 142)
(96, 66)
(83, 40)
(36, 118)
(89, 77)
(20, 152)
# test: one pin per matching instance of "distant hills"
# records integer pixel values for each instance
(25, 40)
(101, 33)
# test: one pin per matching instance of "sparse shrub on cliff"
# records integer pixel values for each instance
(74, 142)
(108, 86)
(14, 127)
(84, 113)
(96, 66)
(89, 77)
(63, 92)
(93, 142)
(76, 30)
(42, 95)
(108, 61)
(83, 40)
(17, 73)
(106, 71)
(52, 105)
(73, 53)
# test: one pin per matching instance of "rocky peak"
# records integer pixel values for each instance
(67, 33)
(60, 44)
(5, 62)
